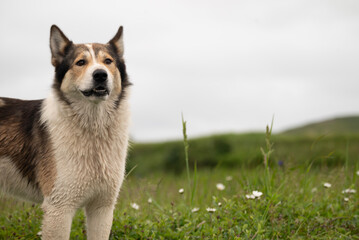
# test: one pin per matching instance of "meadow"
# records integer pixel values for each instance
(248, 186)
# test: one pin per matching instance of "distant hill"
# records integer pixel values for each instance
(295, 148)
(336, 126)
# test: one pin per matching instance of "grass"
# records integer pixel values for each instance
(298, 208)
(294, 205)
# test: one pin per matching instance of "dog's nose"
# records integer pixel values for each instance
(99, 75)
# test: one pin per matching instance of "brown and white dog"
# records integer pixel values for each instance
(68, 151)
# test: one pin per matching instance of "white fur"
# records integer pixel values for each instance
(13, 183)
(90, 142)
(93, 56)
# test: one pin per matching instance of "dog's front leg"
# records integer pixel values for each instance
(99, 216)
(56, 224)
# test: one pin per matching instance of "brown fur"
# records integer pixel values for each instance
(58, 53)
(26, 142)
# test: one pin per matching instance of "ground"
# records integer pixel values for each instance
(294, 205)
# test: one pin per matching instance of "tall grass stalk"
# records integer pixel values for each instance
(131, 170)
(266, 156)
(186, 146)
(191, 187)
(194, 183)
(269, 146)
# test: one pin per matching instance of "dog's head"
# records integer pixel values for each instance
(91, 72)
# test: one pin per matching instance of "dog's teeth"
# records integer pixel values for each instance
(102, 90)
(95, 91)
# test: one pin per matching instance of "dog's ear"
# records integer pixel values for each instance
(117, 42)
(58, 44)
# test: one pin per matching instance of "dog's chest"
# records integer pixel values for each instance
(89, 162)
(89, 159)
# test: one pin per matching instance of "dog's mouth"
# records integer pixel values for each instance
(99, 91)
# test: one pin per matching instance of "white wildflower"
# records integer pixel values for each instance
(327, 185)
(358, 173)
(220, 186)
(229, 178)
(254, 195)
(257, 194)
(346, 199)
(211, 210)
(219, 204)
(149, 200)
(250, 196)
(181, 191)
(196, 209)
(135, 206)
(349, 191)
(314, 190)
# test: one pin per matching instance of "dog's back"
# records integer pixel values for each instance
(24, 147)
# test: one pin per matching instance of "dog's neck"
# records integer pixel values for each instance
(86, 115)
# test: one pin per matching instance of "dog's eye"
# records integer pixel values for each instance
(108, 61)
(80, 62)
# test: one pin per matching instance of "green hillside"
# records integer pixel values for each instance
(237, 151)
(325, 144)
(336, 126)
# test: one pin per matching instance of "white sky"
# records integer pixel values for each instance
(227, 65)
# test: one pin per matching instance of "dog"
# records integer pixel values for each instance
(68, 151)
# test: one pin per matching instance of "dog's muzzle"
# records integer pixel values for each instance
(99, 91)
(100, 82)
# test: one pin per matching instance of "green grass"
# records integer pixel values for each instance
(293, 210)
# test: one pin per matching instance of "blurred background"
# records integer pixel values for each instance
(229, 66)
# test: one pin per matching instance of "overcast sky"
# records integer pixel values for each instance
(227, 65)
